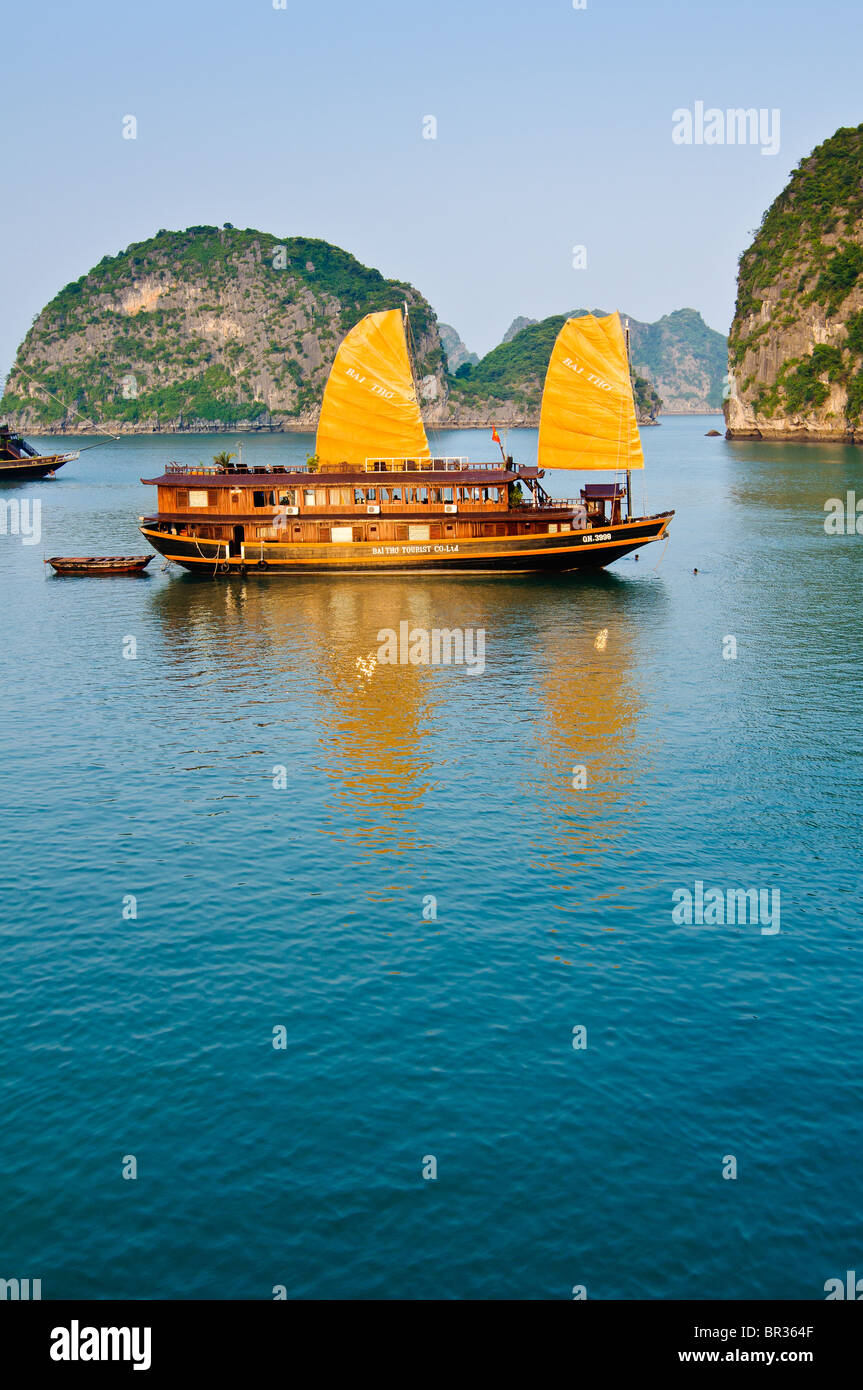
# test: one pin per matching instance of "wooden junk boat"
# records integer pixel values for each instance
(19, 461)
(99, 564)
(374, 500)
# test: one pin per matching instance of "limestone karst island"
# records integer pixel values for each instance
(796, 343)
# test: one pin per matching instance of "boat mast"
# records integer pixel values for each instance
(628, 471)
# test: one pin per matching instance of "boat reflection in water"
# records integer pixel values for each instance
(403, 761)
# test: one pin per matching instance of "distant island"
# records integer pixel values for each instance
(796, 343)
(679, 366)
(220, 329)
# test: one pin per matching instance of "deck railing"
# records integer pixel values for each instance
(456, 464)
(200, 470)
(404, 465)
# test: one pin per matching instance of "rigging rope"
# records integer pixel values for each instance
(87, 419)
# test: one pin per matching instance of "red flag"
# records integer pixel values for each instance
(495, 437)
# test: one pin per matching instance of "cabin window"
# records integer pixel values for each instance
(552, 526)
(565, 526)
(287, 498)
(321, 497)
(477, 494)
(359, 497)
(262, 499)
(371, 494)
(342, 534)
(345, 496)
(436, 494)
(494, 493)
(423, 495)
(199, 499)
(409, 494)
(418, 533)
(309, 497)
(182, 499)
(447, 494)
(397, 494)
(385, 494)
(334, 497)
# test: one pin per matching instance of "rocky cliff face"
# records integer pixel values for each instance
(516, 326)
(457, 353)
(796, 343)
(211, 328)
(686, 360)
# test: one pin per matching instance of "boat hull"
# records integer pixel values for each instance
(34, 468)
(488, 555)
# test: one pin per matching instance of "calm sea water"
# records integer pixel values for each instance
(301, 907)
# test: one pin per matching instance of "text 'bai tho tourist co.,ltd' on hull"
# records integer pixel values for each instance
(374, 500)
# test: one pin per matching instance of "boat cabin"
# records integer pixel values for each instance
(12, 446)
(435, 499)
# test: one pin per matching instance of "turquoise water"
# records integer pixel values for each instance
(261, 906)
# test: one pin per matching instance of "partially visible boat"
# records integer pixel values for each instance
(99, 564)
(19, 461)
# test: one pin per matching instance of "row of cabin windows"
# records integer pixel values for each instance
(358, 496)
(405, 532)
(212, 498)
(370, 532)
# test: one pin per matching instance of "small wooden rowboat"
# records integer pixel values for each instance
(99, 564)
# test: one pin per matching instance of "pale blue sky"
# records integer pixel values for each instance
(554, 129)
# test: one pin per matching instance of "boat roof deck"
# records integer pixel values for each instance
(478, 473)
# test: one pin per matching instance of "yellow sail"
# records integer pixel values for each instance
(370, 408)
(588, 413)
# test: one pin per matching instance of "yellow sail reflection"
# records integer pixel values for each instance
(590, 706)
(588, 418)
(374, 722)
(370, 408)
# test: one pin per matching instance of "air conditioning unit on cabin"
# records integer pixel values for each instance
(290, 511)
(372, 510)
(450, 507)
